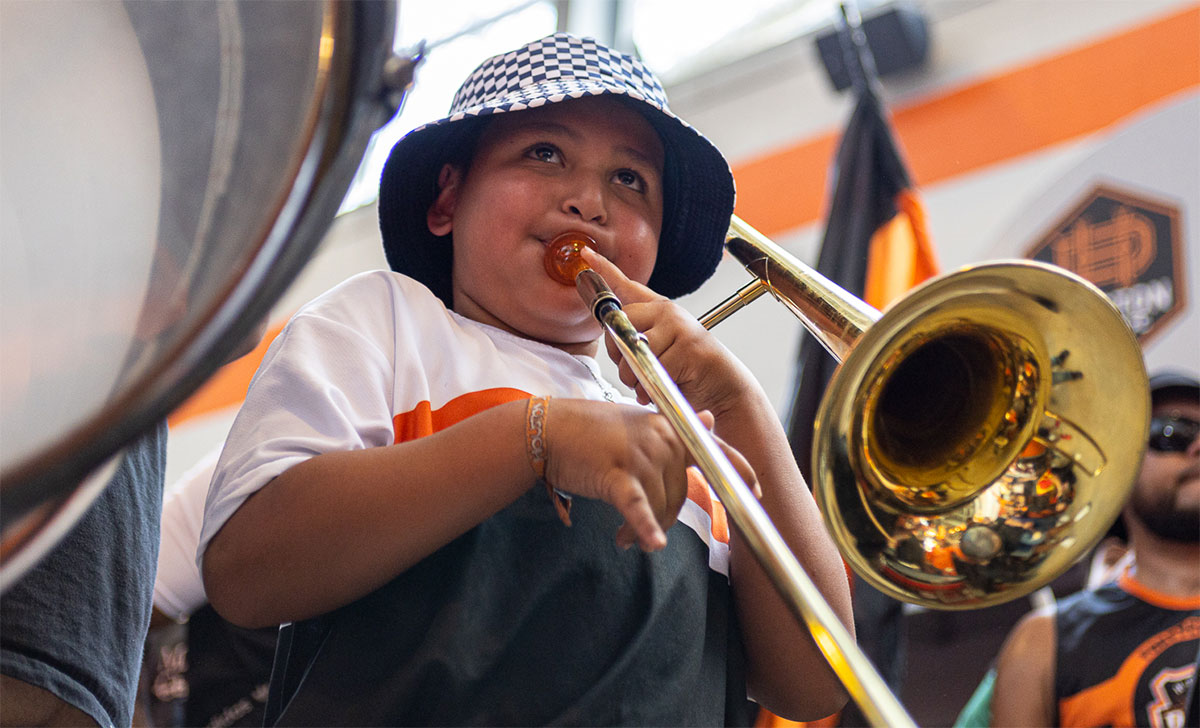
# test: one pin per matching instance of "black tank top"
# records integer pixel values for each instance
(1126, 657)
(582, 633)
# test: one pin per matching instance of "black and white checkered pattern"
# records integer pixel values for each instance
(550, 70)
(698, 192)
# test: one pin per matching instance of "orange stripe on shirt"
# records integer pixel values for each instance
(423, 420)
(1090, 707)
(1094, 705)
(699, 494)
(1159, 599)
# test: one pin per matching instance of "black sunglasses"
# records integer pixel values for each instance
(1172, 434)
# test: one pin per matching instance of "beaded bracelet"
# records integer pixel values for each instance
(535, 446)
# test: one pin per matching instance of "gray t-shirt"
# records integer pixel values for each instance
(76, 623)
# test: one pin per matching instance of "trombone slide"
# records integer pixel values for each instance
(851, 666)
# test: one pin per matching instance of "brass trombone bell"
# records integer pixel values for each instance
(979, 437)
(961, 456)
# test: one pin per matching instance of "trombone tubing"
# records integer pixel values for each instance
(797, 589)
(836, 318)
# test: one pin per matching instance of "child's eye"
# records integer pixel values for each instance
(629, 178)
(545, 153)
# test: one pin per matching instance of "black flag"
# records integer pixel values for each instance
(875, 246)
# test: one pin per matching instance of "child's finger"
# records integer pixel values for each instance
(629, 291)
(625, 372)
(626, 536)
(628, 497)
(629, 379)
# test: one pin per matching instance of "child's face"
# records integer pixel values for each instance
(590, 165)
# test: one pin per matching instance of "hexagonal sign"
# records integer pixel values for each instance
(1130, 247)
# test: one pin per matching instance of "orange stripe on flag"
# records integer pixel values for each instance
(422, 420)
(900, 254)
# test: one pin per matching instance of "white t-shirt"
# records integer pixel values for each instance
(378, 360)
(178, 587)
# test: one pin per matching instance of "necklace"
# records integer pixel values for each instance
(605, 389)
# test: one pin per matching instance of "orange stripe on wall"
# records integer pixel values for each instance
(995, 119)
(227, 388)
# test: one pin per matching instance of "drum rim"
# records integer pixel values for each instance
(42, 495)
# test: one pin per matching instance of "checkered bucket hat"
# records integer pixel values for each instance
(698, 186)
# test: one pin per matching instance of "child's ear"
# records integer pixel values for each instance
(440, 216)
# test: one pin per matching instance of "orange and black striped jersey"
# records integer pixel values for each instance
(1126, 657)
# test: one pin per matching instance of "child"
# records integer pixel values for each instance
(380, 486)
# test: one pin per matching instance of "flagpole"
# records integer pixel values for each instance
(856, 52)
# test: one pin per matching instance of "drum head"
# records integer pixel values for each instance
(166, 170)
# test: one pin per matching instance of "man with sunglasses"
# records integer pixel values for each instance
(1125, 653)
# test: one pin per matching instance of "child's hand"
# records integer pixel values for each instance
(706, 373)
(628, 457)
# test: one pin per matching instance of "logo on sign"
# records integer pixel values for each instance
(1129, 247)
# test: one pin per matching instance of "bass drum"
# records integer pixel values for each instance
(166, 169)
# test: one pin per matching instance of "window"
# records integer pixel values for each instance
(675, 39)
(455, 43)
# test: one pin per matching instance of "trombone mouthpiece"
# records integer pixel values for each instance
(563, 261)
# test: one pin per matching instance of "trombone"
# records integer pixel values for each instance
(965, 452)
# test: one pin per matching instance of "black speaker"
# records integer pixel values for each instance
(897, 36)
